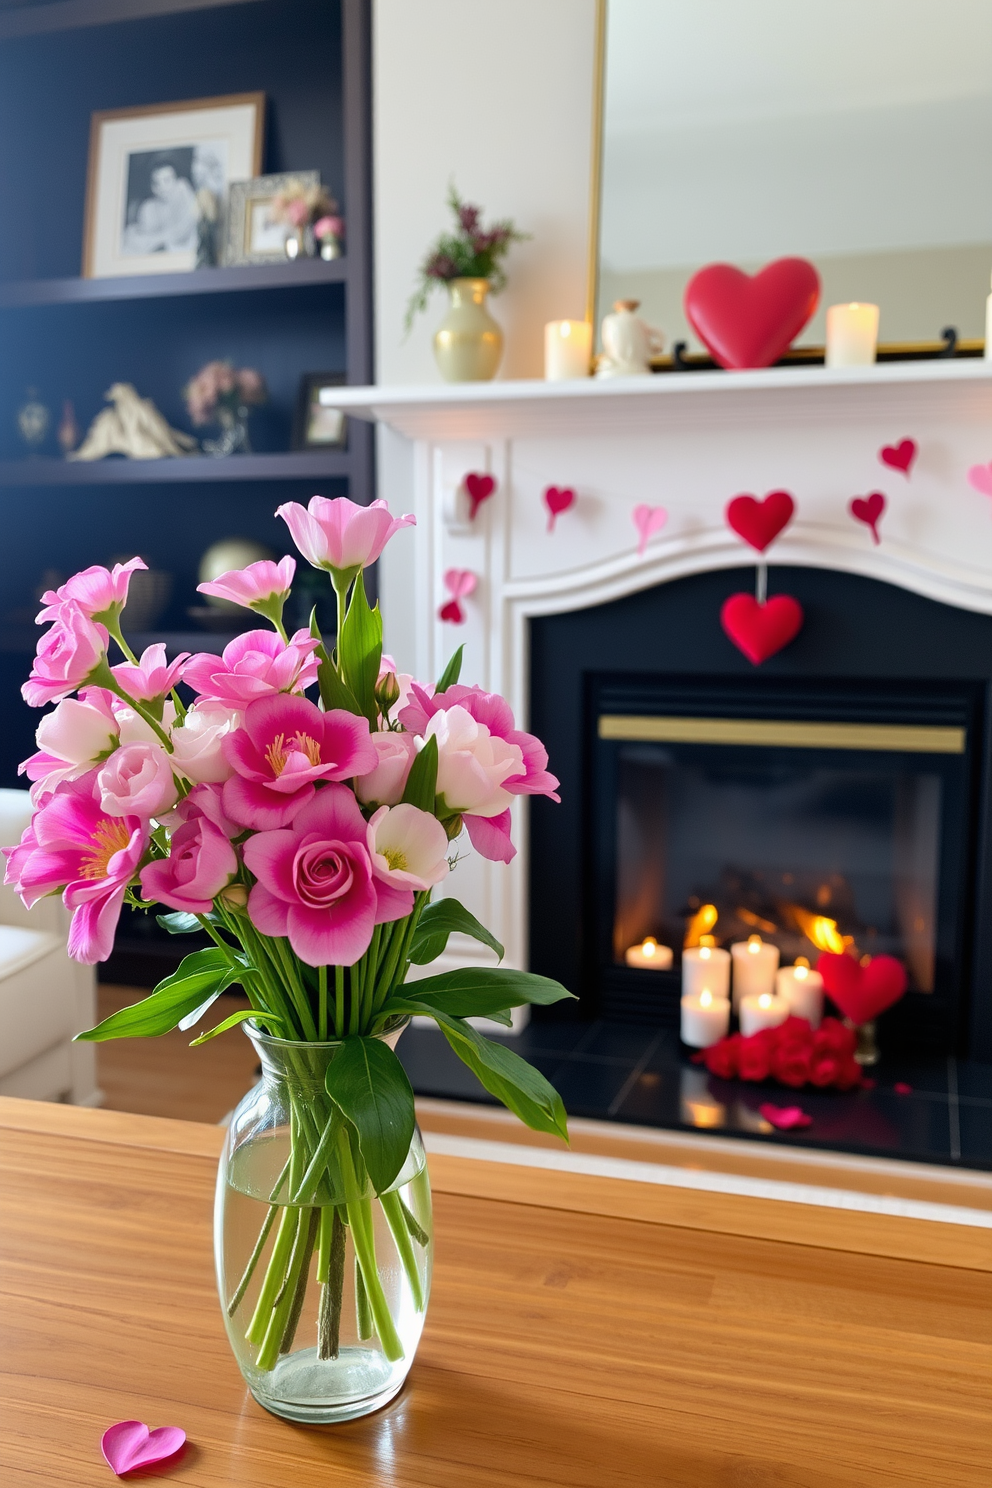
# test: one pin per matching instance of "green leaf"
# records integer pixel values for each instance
(452, 671)
(479, 991)
(520, 1087)
(367, 1083)
(421, 783)
(179, 923)
(199, 978)
(360, 650)
(241, 1016)
(442, 919)
(333, 692)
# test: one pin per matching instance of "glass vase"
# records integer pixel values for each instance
(323, 1284)
(233, 438)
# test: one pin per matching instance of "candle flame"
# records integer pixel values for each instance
(705, 953)
(565, 327)
(800, 972)
(754, 944)
(765, 1000)
(649, 946)
(705, 998)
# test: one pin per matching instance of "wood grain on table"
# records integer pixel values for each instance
(564, 1344)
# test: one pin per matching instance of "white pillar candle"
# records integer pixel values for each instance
(706, 969)
(567, 349)
(705, 1020)
(852, 335)
(755, 965)
(649, 955)
(766, 1011)
(802, 989)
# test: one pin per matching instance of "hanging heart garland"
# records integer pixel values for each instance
(478, 488)
(862, 992)
(760, 630)
(460, 583)
(869, 509)
(557, 499)
(760, 522)
(648, 520)
(899, 456)
(980, 478)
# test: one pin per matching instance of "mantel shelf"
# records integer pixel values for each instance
(194, 469)
(631, 405)
(238, 279)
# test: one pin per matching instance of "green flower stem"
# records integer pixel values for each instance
(354, 984)
(114, 628)
(322, 1003)
(308, 1183)
(363, 1315)
(263, 1235)
(360, 1219)
(332, 1294)
(414, 1226)
(283, 956)
(372, 968)
(339, 1002)
(269, 1349)
(274, 1275)
(392, 1207)
(102, 676)
(298, 1295)
(324, 1242)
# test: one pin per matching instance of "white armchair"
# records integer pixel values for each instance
(44, 997)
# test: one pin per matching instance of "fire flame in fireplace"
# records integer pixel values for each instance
(701, 924)
(821, 931)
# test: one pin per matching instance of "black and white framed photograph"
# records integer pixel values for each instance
(318, 424)
(254, 233)
(154, 172)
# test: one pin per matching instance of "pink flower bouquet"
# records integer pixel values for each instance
(299, 804)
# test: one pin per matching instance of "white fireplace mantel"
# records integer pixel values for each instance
(688, 442)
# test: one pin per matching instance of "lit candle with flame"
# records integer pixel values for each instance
(852, 335)
(649, 955)
(802, 989)
(706, 967)
(705, 1019)
(764, 1010)
(567, 350)
(755, 965)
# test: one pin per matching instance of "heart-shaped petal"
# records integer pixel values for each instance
(760, 522)
(557, 499)
(478, 488)
(750, 320)
(862, 992)
(869, 509)
(980, 478)
(785, 1118)
(648, 520)
(899, 456)
(460, 582)
(759, 630)
(130, 1444)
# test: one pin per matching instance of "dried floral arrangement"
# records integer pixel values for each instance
(472, 251)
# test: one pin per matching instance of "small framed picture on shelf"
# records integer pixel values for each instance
(318, 424)
(255, 233)
(156, 172)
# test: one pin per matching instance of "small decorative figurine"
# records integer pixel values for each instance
(132, 427)
(629, 342)
(33, 419)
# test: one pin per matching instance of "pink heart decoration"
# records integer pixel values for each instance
(759, 630)
(899, 456)
(557, 499)
(784, 1118)
(479, 488)
(130, 1444)
(862, 992)
(460, 583)
(980, 478)
(648, 520)
(760, 522)
(750, 320)
(869, 509)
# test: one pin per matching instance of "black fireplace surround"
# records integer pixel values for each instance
(909, 826)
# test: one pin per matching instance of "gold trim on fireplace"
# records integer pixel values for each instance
(786, 734)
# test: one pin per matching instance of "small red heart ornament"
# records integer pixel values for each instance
(479, 488)
(760, 522)
(130, 1444)
(748, 320)
(759, 630)
(869, 509)
(557, 499)
(980, 478)
(862, 992)
(899, 456)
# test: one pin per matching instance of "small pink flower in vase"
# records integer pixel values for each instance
(222, 394)
(329, 231)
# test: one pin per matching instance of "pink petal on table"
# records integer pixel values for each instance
(901, 1088)
(130, 1444)
(648, 520)
(784, 1118)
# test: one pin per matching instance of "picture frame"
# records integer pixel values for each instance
(146, 166)
(251, 237)
(318, 424)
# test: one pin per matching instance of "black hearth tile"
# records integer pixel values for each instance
(974, 1080)
(542, 1039)
(654, 1098)
(590, 1087)
(605, 1040)
(434, 1068)
(975, 1134)
(927, 1077)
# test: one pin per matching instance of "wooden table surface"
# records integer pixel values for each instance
(578, 1333)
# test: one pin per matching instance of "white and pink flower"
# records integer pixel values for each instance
(408, 847)
(252, 666)
(101, 593)
(385, 783)
(78, 734)
(198, 743)
(69, 655)
(137, 780)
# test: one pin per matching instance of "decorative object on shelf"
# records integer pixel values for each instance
(469, 343)
(988, 328)
(33, 421)
(328, 231)
(254, 235)
(980, 478)
(460, 583)
(749, 320)
(802, 989)
(760, 522)
(899, 456)
(132, 427)
(705, 968)
(785, 1118)
(224, 556)
(648, 520)
(649, 955)
(306, 842)
(222, 394)
(557, 499)
(791, 1053)
(761, 628)
(147, 167)
(869, 509)
(862, 989)
(704, 1019)
(297, 207)
(317, 424)
(208, 245)
(567, 350)
(629, 342)
(852, 335)
(67, 433)
(129, 1445)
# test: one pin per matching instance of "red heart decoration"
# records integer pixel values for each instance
(557, 499)
(899, 456)
(130, 1444)
(759, 630)
(785, 1118)
(868, 509)
(760, 522)
(862, 992)
(479, 489)
(749, 320)
(452, 612)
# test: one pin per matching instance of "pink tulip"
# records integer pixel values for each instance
(340, 535)
(72, 844)
(282, 749)
(254, 665)
(198, 745)
(386, 783)
(77, 735)
(100, 593)
(153, 676)
(315, 882)
(67, 657)
(256, 586)
(137, 780)
(408, 847)
(201, 862)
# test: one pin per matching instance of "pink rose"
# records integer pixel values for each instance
(198, 744)
(99, 592)
(282, 749)
(137, 780)
(152, 677)
(203, 800)
(253, 665)
(315, 882)
(386, 783)
(201, 862)
(408, 847)
(68, 655)
(77, 735)
(340, 535)
(256, 586)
